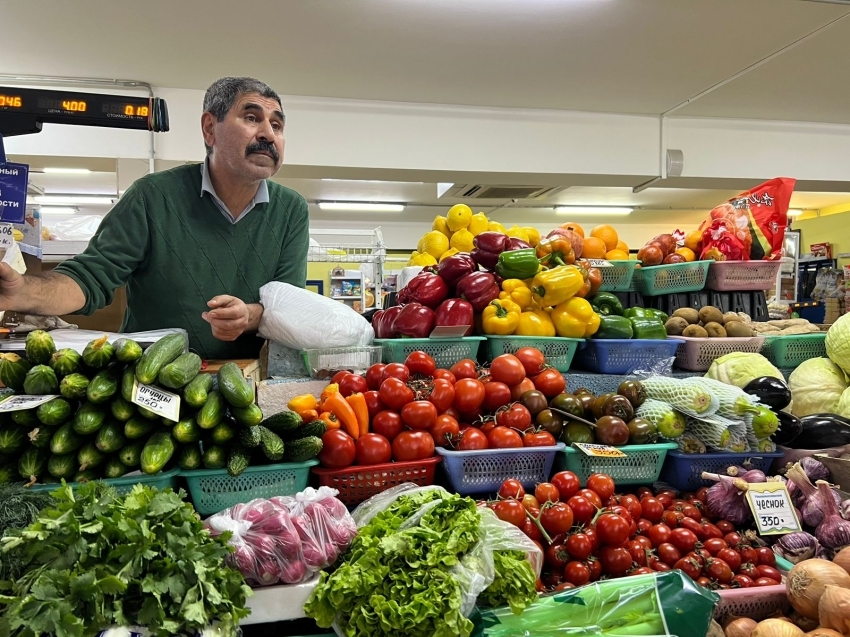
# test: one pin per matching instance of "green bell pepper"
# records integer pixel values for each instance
(607, 304)
(645, 312)
(648, 328)
(518, 264)
(611, 326)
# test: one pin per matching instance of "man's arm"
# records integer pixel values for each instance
(48, 294)
(230, 317)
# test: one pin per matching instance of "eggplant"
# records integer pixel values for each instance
(821, 431)
(789, 428)
(770, 391)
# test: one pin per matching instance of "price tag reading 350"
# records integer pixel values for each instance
(600, 451)
(157, 400)
(772, 508)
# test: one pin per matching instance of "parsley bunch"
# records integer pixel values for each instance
(96, 560)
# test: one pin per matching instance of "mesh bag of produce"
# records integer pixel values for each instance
(688, 395)
(719, 434)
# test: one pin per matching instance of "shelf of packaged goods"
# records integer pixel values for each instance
(346, 298)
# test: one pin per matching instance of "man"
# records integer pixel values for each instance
(193, 244)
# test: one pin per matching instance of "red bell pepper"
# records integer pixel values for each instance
(426, 288)
(382, 322)
(518, 244)
(456, 312)
(488, 247)
(454, 268)
(415, 321)
(479, 288)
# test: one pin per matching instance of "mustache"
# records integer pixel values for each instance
(263, 147)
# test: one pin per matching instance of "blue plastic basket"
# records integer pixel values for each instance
(484, 471)
(684, 470)
(623, 356)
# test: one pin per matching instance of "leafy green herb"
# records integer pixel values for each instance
(19, 507)
(514, 584)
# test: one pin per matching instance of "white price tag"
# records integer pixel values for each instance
(7, 237)
(20, 403)
(601, 263)
(772, 508)
(600, 451)
(158, 400)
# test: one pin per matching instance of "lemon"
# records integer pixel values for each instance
(459, 217)
(449, 253)
(478, 224)
(423, 260)
(533, 236)
(495, 226)
(441, 224)
(434, 243)
(517, 233)
(462, 241)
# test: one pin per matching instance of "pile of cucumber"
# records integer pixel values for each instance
(92, 430)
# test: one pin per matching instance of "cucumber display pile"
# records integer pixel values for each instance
(93, 430)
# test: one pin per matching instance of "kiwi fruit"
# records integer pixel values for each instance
(731, 317)
(738, 329)
(687, 313)
(695, 331)
(710, 314)
(675, 326)
(715, 330)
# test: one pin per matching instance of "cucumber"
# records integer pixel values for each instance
(12, 438)
(8, 474)
(238, 460)
(13, 370)
(74, 386)
(144, 412)
(89, 418)
(127, 350)
(215, 457)
(180, 371)
(39, 347)
(121, 409)
(54, 412)
(223, 432)
(103, 386)
(315, 428)
(302, 449)
(110, 438)
(64, 466)
(137, 427)
(283, 423)
(115, 468)
(40, 437)
(89, 457)
(131, 455)
(249, 416)
(66, 362)
(98, 353)
(186, 431)
(234, 387)
(65, 440)
(41, 381)
(32, 463)
(212, 412)
(189, 457)
(25, 418)
(158, 355)
(250, 437)
(195, 393)
(271, 443)
(157, 452)
(127, 379)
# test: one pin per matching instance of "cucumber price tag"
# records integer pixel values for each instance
(159, 401)
(772, 509)
(600, 451)
(7, 238)
(20, 403)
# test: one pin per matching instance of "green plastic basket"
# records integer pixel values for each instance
(559, 352)
(213, 490)
(672, 279)
(642, 464)
(445, 351)
(788, 352)
(618, 277)
(125, 484)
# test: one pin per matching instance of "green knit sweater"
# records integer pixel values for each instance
(175, 250)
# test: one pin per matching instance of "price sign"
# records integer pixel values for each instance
(20, 403)
(601, 263)
(158, 400)
(600, 451)
(7, 238)
(772, 508)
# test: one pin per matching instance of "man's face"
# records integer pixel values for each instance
(249, 141)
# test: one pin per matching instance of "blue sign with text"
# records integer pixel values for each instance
(13, 192)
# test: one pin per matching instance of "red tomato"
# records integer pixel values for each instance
(530, 502)
(387, 424)
(454, 413)
(672, 518)
(510, 511)
(613, 529)
(602, 485)
(692, 525)
(551, 382)
(689, 567)
(532, 360)
(512, 489)
(488, 426)
(396, 370)
(564, 586)
(749, 569)
(659, 534)
(444, 374)
(733, 539)
(507, 369)
(701, 556)
(748, 554)
(518, 390)
(668, 553)
(554, 579)
(661, 567)
(644, 541)
(420, 414)
(546, 492)
(373, 449)
(768, 571)
(557, 518)
(594, 499)
(664, 499)
(644, 492)
(615, 560)
(710, 530)
(467, 368)
(420, 363)
(594, 537)
(338, 450)
(442, 395)
(469, 394)
(743, 581)
(395, 394)
(583, 509)
(538, 439)
(504, 438)
(337, 378)
(718, 569)
(652, 509)
(374, 376)
(374, 403)
(715, 545)
(725, 526)
(595, 567)
(684, 539)
(579, 546)
(766, 581)
(701, 494)
(412, 445)
(556, 556)
(567, 482)
(732, 558)
(495, 395)
(690, 511)
(473, 440)
(531, 530)
(633, 505)
(704, 581)
(516, 417)
(643, 570)
(638, 552)
(766, 556)
(445, 430)
(353, 384)
(577, 573)
(622, 511)
(643, 526)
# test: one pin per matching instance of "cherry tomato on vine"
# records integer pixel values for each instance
(473, 440)
(516, 416)
(577, 573)
(511, 489)
(530, 502)
(579, 546)
(546, 492)
(567, 483)
(615, 560)
(466, 368)
(594, 499)
(601, 484)
(374, 376)
(496, 395)
(652, 509)
(445, 430)
(442, 395)
(396, 370)
(582, 508)
(504, 438)
(613, 529)
(633, 505)
(420, 363)
(638, 552)
(595, 567)
(557, 518)
(510, 511)
(551, 382)
(556, 556)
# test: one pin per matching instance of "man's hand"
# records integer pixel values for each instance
(230, 317)
(11, 285)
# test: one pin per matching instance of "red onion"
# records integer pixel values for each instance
(724, 499)
(834, 531)
(796, 547)
(844, 508)
(811, 504)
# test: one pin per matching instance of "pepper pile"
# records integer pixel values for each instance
(634, 322)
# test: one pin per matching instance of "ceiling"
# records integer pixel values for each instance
(627, 56)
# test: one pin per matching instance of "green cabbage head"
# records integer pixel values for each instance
(816, 387)
(838, 343)
(740, 369)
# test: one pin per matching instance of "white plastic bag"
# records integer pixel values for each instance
(300, 319)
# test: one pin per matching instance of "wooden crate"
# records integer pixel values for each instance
(250, 369)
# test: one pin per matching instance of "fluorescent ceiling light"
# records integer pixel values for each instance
(593, 210)
(68, 171)
(70, 200)
(795, 213)
(60, 210)
(371, 181)
(354, 206)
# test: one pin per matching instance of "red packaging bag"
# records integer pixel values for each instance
(750, 226)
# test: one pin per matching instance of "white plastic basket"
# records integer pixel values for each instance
(697, 354)
(733, 276)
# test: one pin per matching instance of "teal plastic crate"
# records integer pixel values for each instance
(559, 352)
(619, 277)
(214, 490)
(445, 351)
(788, 352)
(641, 465)
(672, 279)
(125, 484)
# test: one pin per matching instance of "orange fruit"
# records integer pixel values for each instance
(617, 255)
(574, 227)
(607, 234)
(687, 253)
(594, 248)
(693, 240)
(621, 245)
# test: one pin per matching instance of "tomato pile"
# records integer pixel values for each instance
(592, 532)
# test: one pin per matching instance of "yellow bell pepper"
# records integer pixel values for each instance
(478, 224)
(517, 291)
(500, 318)
(518, 233)
(441, 224)
(433, 243)
(462, 241)
(303, 403)
(553, 287)
(459, 217)
(533, 235)
(575, 319)
(422, 261)
(495, 226)
(449, 253)
(537, 323)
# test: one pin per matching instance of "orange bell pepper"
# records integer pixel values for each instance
(556, 251)
(329, 419)
(338, 406)
(308, 416)
(358, 404)
(333, 388)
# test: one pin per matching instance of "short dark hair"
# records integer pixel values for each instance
(220, 97)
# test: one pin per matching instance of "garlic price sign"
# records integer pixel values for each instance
(772, 509)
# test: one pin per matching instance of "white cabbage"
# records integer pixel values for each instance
(816, 387)
(838, 343)
(740, 369)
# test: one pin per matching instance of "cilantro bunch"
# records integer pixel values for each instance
(96, 560)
